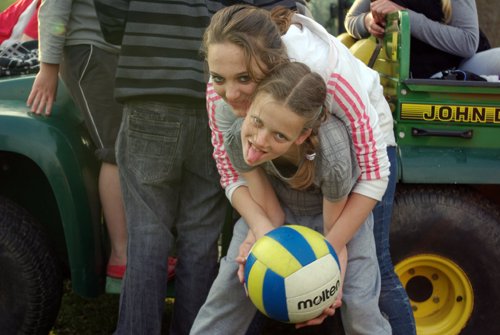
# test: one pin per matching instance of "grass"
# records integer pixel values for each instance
(80, 316)
(5, 3)
(86, 316)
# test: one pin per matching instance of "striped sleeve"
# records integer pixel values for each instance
(220, 119)
(112, 16)
(351, 106)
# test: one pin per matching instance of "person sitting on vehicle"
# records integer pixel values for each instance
(445, 34)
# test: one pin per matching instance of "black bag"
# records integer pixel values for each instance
(484, 43)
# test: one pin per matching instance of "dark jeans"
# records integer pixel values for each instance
(393, 302)
(169, 181)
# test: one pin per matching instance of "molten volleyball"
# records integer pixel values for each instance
(292, 274)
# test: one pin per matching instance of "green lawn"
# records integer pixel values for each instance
(86, 316)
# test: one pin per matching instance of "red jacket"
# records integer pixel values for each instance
(12, 16)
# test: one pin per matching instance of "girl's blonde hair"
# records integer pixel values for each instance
(446, 7)
(304, 93)
(253, 30)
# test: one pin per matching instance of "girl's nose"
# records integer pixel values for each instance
(260, 138)
(232, 92)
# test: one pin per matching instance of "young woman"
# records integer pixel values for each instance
(288, 145)
(445, 34)
(242, 44)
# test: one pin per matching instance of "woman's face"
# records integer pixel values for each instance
(230, 75)
(269, 130)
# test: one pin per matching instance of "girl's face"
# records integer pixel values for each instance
(269, 130)
(230, 76)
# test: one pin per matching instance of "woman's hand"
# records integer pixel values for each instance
(374, 28)
(242, 257)
(380, 8)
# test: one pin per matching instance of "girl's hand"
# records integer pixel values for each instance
(242, 257)
(43, 92)
(329, 311)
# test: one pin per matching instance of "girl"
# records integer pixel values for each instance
(311, 165)
(242, 44)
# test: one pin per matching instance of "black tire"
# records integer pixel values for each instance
(460, 227)
(30, 278)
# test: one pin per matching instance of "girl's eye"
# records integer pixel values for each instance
(255, 121)
(280, 137)
(244, 79)
(217, 79)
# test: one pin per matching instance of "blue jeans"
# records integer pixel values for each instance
(394, 302)
(173, 201)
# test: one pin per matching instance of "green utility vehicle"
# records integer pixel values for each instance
(50, 220)
(445, 235)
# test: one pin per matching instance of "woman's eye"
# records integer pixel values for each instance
(255, 121)
(217, 79)
(244, 79)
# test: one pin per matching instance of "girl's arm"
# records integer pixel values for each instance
(50, 45)
(353, 215)
(331, 212)
(268, 213)
(261, 209)
(260, 218)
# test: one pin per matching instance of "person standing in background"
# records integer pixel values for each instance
(71, 43)
(168, 176)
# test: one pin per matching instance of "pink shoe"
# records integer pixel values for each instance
(172, 262)
(117, 271)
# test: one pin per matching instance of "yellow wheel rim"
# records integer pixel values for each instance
(440, 293)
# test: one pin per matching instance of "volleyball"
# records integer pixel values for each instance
(292, 274)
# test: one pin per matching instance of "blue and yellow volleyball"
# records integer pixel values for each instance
(292, 274)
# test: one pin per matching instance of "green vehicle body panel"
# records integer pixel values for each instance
(447, 131)
(61, 148)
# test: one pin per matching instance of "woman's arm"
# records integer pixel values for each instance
(355, 19)
(460, 37)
